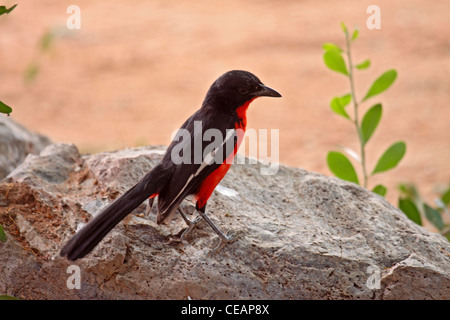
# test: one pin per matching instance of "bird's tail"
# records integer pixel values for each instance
(91, 234)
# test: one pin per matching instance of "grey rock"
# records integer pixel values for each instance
(16, 142)
(301, 236)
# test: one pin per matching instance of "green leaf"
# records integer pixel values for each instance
(391, 157)
(331, 47)
(47, 40)
(381, 84)
(433, 216)
(409, 191)
(363, 65)
(335, 62)
(4, 10)
(355, 34)
(446, 197)
(4, 108)
(380, 189)
(338, 105)
(341, 167)
(6, 297)
(2, 235)
(31, 72)
(343, 27)
(370, 122)
(410, 209)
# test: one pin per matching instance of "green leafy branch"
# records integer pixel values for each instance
(44, 46)
(415, 208)
(338, 163)
(5, 109)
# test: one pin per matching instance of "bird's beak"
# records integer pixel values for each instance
(267, 92)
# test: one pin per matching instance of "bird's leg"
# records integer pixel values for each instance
(191, 223)
(224, 239)
(148, 209)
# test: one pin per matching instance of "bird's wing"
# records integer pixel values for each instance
(188, 176)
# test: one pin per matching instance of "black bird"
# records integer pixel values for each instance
(183, 171)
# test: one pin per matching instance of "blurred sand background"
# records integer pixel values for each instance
(137, 69)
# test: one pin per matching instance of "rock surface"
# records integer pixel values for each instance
(302, 236)
(16, 143)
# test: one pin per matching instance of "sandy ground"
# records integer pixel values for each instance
(137, 69)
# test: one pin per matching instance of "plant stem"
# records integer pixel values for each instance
(355, 107)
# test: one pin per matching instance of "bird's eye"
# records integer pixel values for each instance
(243, 91)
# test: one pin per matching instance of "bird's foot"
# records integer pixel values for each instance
(148, 208)
(191, 225)
(230, 237)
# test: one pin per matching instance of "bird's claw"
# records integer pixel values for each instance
(191, 225)
(230, 237)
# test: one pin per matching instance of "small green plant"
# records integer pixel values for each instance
(44, 46)
(416, 209)
(5, 109)
(338, 163)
